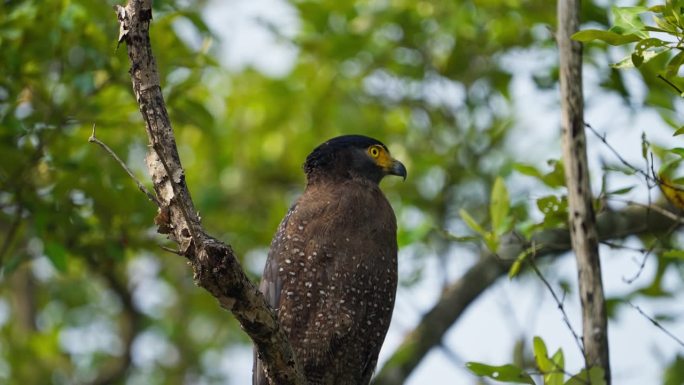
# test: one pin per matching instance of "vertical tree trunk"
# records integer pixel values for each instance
(582, 220)
(214, 264)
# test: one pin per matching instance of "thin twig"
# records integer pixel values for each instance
(150, 196)
(656, 324)
(559, 302)
(669, 83)
(602, 138)
(618, 246)
(648, 252)
(170, 250)
(660, 210)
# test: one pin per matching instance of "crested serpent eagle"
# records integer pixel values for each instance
(331, 272)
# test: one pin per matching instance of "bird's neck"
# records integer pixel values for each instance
(315, 179)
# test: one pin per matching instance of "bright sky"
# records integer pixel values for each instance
(510, 309)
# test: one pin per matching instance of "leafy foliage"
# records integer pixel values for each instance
(87, 295)
(552, 370)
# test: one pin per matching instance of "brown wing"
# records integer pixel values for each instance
(331, 273)
(271, 286)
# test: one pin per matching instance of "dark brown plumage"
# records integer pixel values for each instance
(331, 273)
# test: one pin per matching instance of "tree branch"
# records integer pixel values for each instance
(215, 266)
(582, 220)
(633, 220)
(141, 187)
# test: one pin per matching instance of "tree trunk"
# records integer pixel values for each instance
(215, 266)
(582, 221)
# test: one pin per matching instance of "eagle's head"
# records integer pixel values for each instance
(352, 156)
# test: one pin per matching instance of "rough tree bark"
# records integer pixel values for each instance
(454, 301)
(214, 264)
(580, 204)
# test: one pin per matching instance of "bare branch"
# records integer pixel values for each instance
(141, 187)
(560, 304)
(657, 324)
(669, 83)
(602, 138)
(215, 266)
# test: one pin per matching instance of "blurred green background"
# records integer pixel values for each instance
(86, 293)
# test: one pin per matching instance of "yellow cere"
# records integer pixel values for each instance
(381, 156)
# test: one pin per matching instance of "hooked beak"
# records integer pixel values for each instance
(397, 168)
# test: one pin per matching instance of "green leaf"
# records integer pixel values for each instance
(556, 177)
(595, 377)
(470, 221)
(645, 144)
(621, 191)
(645, 57)
(499, 206)
(559, 363)
(57, 254)
(517, 264)
(626, 20)
(552, 371)
(647, 49)
(679, 131)
(660, 8)
(541, 355)
(554, 208)
(492, 241)
(505, 373)
(677, 150)
(678, 254)
(515, 268)
(674, 64)
(609, 37)
(624, 63)
(527, 169)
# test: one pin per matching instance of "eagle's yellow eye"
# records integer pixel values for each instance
(374, 151)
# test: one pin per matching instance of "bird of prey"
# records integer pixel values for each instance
(331, 272)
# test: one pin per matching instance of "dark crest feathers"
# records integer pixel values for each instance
(322, 156)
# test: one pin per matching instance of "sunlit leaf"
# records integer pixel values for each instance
(674, 64)
(673, 192)
(609, 37)
(678, 254)
(552, 372)
(594, 377)
(499, 206)
(527, 169)
(504, 373)
(627, 20)
(472, 223)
